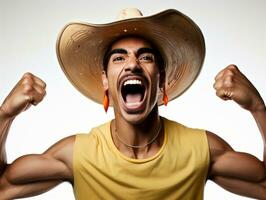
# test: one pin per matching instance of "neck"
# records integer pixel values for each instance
(138, 140)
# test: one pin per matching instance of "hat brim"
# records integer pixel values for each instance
(81, 48)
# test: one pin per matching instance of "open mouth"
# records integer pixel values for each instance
(133, 93)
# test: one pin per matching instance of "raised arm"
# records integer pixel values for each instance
(31, 174)
(240, 173)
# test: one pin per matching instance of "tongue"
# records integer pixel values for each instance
(133, 98)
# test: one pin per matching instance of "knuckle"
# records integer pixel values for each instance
(43, 84)
(218, 93)
(27, 80)
(27, 88)
(28, 75)
(229, 72)
(233, 68)
(43, 93)
(216, 77)
(217, 85)
(228, 82)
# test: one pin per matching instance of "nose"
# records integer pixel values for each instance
(133, 65)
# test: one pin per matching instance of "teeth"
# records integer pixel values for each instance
(132, 82)
(133, 104)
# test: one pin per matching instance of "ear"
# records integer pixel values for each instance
(162, 78)
(105, 81)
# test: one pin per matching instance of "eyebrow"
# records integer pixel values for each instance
(145, 50)
(155, 52)
(114, 51)
(123, 51)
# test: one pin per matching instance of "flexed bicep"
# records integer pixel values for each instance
(235, 171)
(241, 187)
(36, 173)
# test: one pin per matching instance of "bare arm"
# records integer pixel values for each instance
(31, 174)
(36, 173)
(5, 123)
(238, 172)
(30, 90)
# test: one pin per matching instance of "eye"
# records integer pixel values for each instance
(146, 57)
(118, 58)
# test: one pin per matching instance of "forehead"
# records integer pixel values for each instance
(130, 43)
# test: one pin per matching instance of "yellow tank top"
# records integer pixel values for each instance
(177, 171)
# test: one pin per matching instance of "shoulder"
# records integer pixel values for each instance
(217, 146)
(62, 145)
(62, 150)
(217, 143)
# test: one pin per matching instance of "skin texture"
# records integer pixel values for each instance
(140, 125)
(30, 175)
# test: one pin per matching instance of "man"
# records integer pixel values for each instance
(135, 65)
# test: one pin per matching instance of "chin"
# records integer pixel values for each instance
(139, 116)
(134, 118)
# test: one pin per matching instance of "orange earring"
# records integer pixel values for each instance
(106, 101)
(165, 97)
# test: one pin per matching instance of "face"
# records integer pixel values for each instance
(132, 79)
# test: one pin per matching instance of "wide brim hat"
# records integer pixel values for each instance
(81, 48)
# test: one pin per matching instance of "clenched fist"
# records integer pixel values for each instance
(30, 90)
(231, 84)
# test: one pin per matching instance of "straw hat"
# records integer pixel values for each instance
(81, 48)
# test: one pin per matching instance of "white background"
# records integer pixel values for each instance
(235, 32)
